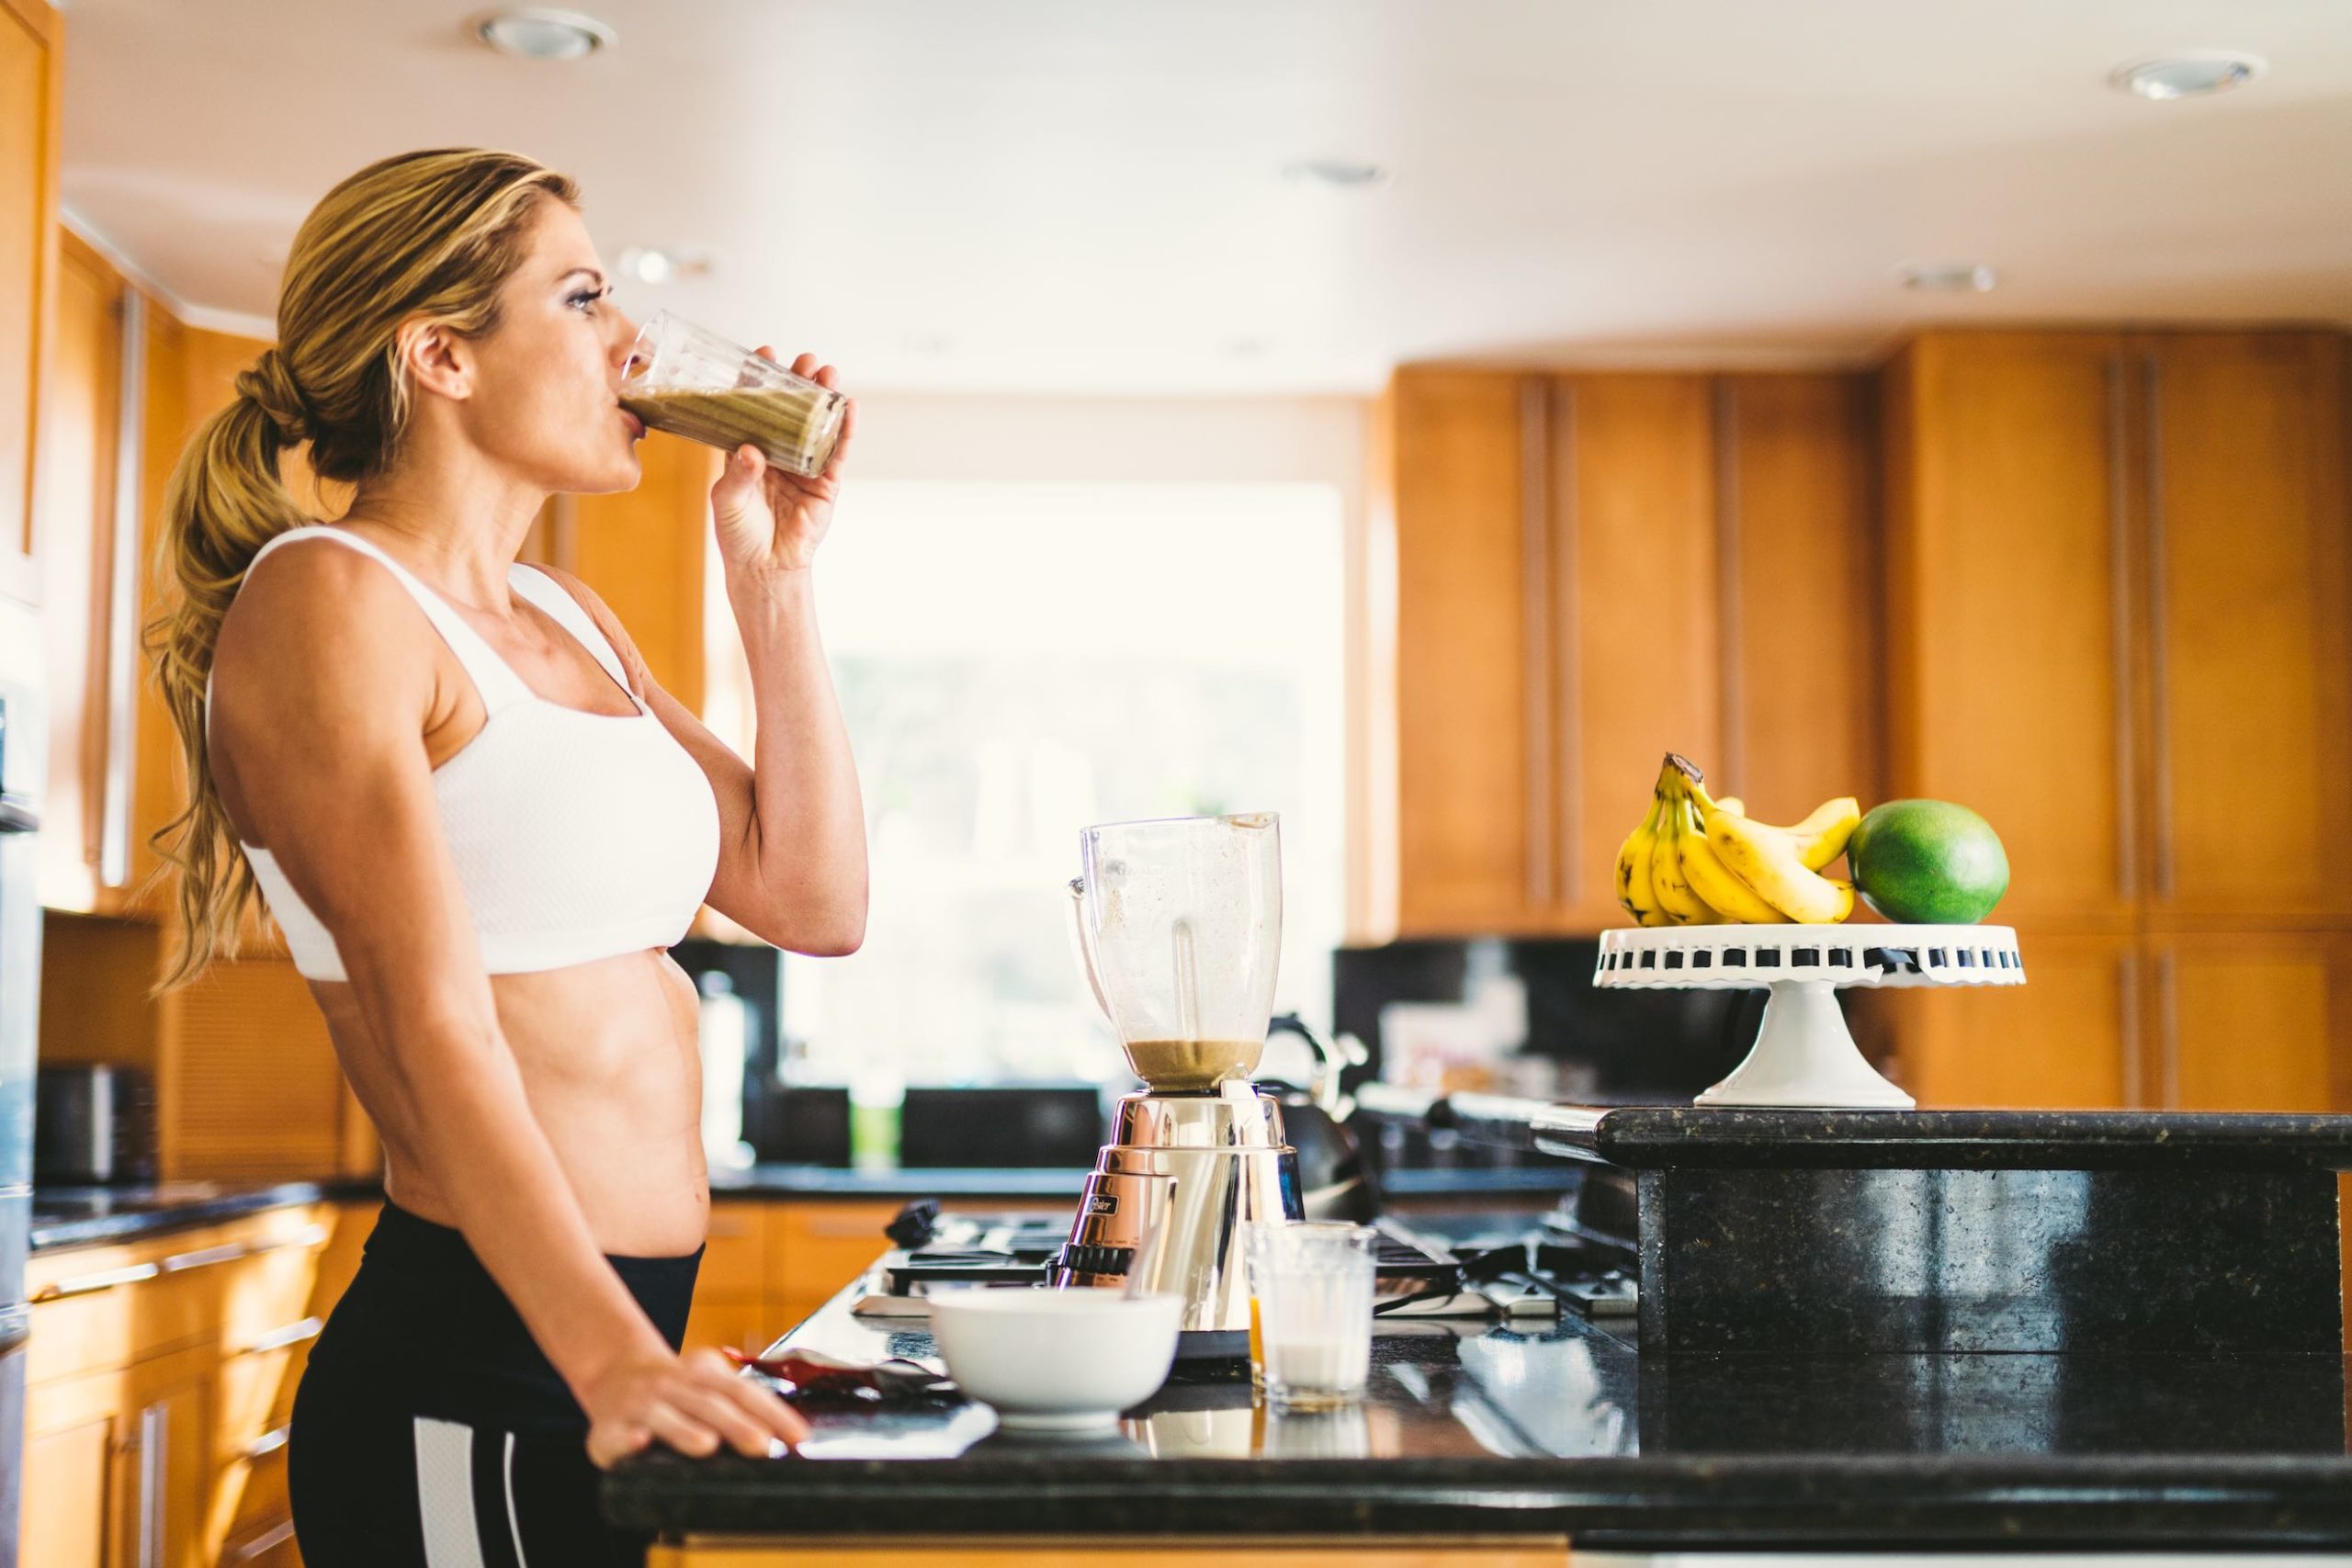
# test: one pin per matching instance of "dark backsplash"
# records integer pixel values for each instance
(1636, 1045)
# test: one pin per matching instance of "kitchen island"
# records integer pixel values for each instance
(1501, 1442)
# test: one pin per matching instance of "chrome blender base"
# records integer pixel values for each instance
(1197, 1169)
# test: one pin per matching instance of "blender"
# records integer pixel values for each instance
(1178, 926)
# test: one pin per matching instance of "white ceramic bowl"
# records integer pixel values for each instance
(1058, 1360)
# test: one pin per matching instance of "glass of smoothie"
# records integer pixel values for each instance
(689, 381)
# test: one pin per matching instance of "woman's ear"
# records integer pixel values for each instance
(436, 359)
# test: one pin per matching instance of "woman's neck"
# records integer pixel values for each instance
(460, 524)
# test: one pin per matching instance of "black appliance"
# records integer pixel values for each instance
(94, 1125)
(1001, 1127)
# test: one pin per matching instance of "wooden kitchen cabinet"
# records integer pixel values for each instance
(32, 81)
(2248, 669)
(159, 1385)
(1593, 569)
(2071, 1038)
(2009, 654)
(2250, 1021)
(2117, 612)
(117, 1466)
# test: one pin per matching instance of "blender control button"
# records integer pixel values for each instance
(1078, 1258)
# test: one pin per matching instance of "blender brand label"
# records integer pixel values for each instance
(1103, 1203)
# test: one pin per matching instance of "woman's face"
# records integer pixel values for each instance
(545, 384)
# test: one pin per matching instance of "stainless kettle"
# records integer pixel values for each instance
(1334, 1181)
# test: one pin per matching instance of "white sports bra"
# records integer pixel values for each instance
(576, 835)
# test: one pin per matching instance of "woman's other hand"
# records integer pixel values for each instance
(694, 1403)
(771, 521)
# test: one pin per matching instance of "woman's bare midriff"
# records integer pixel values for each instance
(607, 1055)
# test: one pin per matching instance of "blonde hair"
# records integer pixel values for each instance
(432, 234)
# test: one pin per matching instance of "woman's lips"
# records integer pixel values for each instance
(636, 425)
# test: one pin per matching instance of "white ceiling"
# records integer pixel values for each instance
(1082, 195)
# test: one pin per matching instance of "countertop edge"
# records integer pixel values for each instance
(1812, 1499)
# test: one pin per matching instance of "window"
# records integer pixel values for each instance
(1016, 662)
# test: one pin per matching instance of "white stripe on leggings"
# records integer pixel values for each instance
(444, 1494)
(512, 1522)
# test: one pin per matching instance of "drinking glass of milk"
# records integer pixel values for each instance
(1312, 1285)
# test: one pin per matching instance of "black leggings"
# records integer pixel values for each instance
(430, 1431)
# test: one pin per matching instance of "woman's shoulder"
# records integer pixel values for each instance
(307, 609)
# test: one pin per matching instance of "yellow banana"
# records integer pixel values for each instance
(1673, 889)
(1704, 870)
(1633, 869)
(1821, 838)
(1767, 863)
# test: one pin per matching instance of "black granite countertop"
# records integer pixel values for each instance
(1471, 1428)
(1682, 1137)
(85, 1216)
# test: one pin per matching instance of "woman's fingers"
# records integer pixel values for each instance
(768, 1409)
(682, 1431)
(722, 1416)
(608, 1443)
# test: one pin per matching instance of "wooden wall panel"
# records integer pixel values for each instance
(2007, 618)
(1636, 537)
(643, 551)
(251, 1086)
(1801, 624)
(2252, 719)
(81, 416)
(1475, 819)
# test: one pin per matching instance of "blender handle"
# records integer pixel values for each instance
(1081, 943)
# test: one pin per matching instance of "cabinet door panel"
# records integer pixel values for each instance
(29, 119)
(2252, 671)
(1473, 803)
(1800, 694)
(1634, 537)
(65, 1522)
(2010, 662)
(80, 420)
(2065, 1040)
(2248, 1022)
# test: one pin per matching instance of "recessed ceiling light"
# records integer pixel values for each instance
(537, 32)
(1950, 277)
(643, 264)
(2188, 75)
(1340, 174)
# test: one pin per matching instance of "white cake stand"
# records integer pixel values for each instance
(1804, 1056)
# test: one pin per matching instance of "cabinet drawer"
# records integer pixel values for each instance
(95, 1307)
(250, 1504)
(735, 1259)
(257, 1395)
(273, 1286)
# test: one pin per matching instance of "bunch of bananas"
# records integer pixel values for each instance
(1698, 862)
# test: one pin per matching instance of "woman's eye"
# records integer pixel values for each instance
(589, 295)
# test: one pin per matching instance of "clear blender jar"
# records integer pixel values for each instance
(1178, 926)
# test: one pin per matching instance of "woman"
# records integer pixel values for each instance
(480, 823)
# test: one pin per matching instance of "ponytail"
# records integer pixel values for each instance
(226, 501)
(433, 234)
